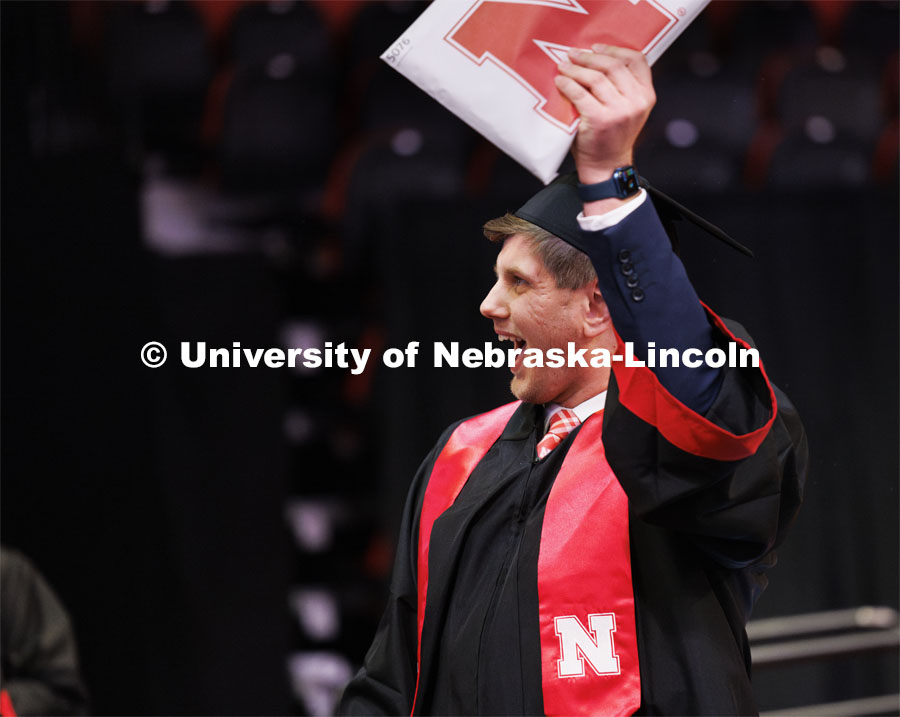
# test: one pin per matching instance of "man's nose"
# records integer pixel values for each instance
(493, 306)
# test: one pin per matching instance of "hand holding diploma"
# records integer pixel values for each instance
(612, 90)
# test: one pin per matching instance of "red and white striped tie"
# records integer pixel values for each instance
(561, 424)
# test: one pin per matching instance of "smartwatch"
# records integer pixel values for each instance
(623, 184)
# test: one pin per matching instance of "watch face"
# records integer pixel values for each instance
(626, 181)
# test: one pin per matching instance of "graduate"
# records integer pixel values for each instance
(595, 546)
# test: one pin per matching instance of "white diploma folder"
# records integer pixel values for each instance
(492, 62)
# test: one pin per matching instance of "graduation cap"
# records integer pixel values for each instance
(557, 205)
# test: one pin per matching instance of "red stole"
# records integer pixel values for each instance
(6, 705)
(589, 659)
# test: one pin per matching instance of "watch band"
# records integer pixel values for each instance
(623, 184)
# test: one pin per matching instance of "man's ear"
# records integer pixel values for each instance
(596, 319)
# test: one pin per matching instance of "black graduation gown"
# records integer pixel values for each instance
(702, 533)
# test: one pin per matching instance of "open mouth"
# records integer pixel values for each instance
(517, 341)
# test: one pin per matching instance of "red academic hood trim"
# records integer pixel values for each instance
(468, 444)
(641, 393)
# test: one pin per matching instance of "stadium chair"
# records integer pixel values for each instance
(871, 27)
(682, 160)
(260, 31)
(761, 28)
(720, 106)
(277, 128)
(277, 124)
(159, 68)
(827, 83)
(819, 157)
(412, 162)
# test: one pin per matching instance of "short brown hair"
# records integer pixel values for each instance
(569, 267)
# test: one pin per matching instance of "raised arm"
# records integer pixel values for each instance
(643, 282)
(716, 453)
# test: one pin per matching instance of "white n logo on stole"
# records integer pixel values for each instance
(576, 645)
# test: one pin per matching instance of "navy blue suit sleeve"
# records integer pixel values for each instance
(651, 299)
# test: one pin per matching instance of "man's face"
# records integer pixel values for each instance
(528, 309)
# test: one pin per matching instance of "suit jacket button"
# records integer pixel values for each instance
(624, 255)
(631, 281)
(627, 268)
(638, 295)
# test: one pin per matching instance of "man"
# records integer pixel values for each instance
(597, 546)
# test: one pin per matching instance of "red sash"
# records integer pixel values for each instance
(468, 444)
(6, 705)
(589, 660)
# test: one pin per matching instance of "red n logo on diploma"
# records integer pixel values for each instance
(528, 38)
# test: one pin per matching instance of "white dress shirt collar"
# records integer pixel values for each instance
(583, 410)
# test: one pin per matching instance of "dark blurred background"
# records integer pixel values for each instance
(251, 171)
